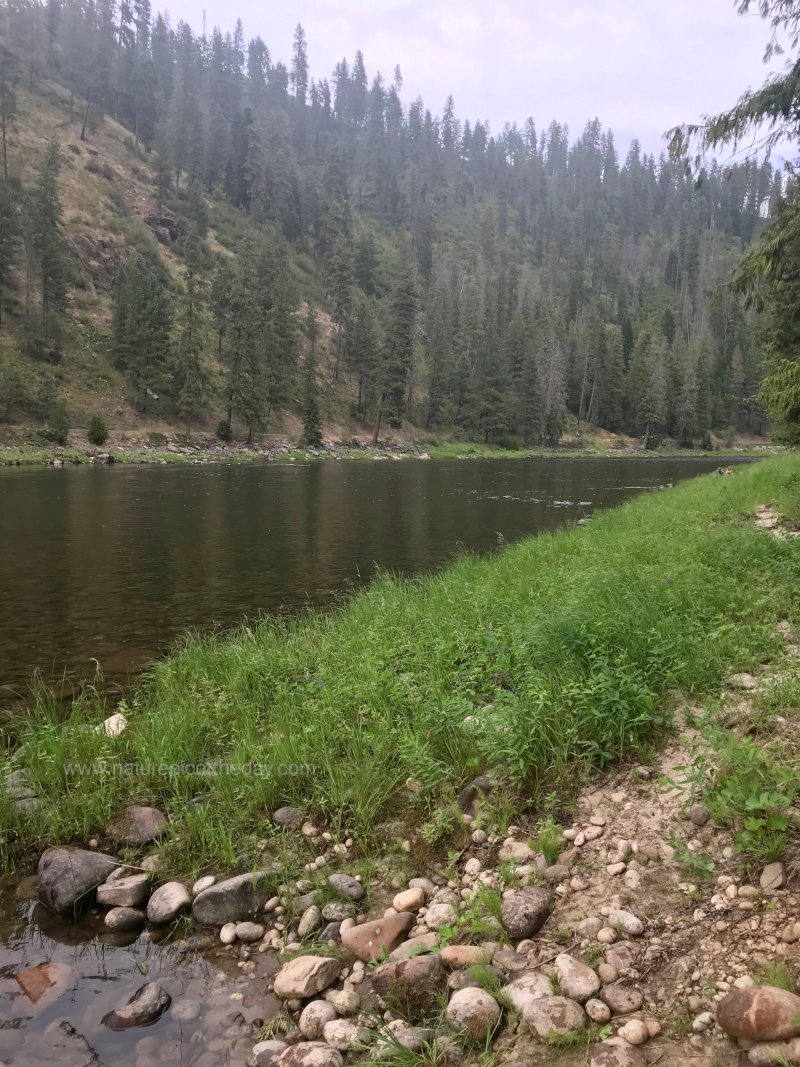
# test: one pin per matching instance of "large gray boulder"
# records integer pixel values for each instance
(233, 900)
(68, 878)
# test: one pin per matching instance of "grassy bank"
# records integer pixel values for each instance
(539, 665)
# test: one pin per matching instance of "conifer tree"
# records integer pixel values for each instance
(46, 242)
(9, 238)
(140, 327)
(191, 384)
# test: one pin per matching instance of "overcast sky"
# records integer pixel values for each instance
(640, 66)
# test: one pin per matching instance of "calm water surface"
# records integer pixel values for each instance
(113, 564)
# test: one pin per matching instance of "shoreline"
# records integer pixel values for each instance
(217, 453)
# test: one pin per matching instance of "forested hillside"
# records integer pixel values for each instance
(216, 235)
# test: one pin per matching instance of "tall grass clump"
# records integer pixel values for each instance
(537, 666)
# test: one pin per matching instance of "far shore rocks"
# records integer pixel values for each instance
(68, 878)
(234, 899)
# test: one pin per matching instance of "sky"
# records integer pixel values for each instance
(640, 66)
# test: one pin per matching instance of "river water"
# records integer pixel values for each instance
(108, 566)
(113, 564)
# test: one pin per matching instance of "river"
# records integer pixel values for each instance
(106, 567)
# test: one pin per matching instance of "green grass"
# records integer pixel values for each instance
(539, 666)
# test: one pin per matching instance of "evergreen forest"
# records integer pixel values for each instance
(484, 285)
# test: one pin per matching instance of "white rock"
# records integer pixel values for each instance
(314, 1017)
(227, 934)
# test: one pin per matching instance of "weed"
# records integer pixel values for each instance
(549, 841)
(695, 865)
(775, 974)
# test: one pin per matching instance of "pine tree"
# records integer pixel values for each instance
(9, 238)
(191, 385)
(140, 327)
(46, 243)
(398, 355)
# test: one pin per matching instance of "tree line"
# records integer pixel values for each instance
(483, 284)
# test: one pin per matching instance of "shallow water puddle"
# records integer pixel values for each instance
(58, 980)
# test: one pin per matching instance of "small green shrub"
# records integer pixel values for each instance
(224, 430)
(59, 425)
(97, 431)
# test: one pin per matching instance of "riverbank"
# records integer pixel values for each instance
(537, 666)
(211, 450)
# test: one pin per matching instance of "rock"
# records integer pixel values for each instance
(124, 919)
(577, 981)
(597, 1011)
(616, 1052)
(128, 892)
(68, 877)
(474, 1013)
(412, 1038)
(137, 825)
(621, 999)
(309, 921)
(330, 932)
(345, 1001)
(409, 900)
(525, 912)
(773, 877)
(554, 1015)
(43, 984)
(337, 911)
(439, 915)
(480, 786)
(760, 1013)
(556, 874)
(516, 852)
(202, 884)
(635, 1032)
(347, 886)
(227, 934)
(249, 932)
(425, 884)
(305, 976)
(774, 1053)
(313, 1018)
(457, 956)
(607, 935)
(344, 1035)
(414, 946)
(168, 902)
(741, 681)
(411, 986)
(367, 940)
(288, 817)
(527, 988)
(310, 1054)
(699, 814)
(233, 900)
(622, 955)
(590, 927)
(114, 725)
(266, 1053)
(607, 973)
(627, 922)
(146, 1005)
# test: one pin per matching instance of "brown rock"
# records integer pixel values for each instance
(411, 986)
(366, 941)
(775, 1052)
(137, 825)
(554, 1015)
(145, 1006)
(305, 976)
(621, 999)
(525, 912)
(773, 877)
(760, 1013)
(44, 983)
